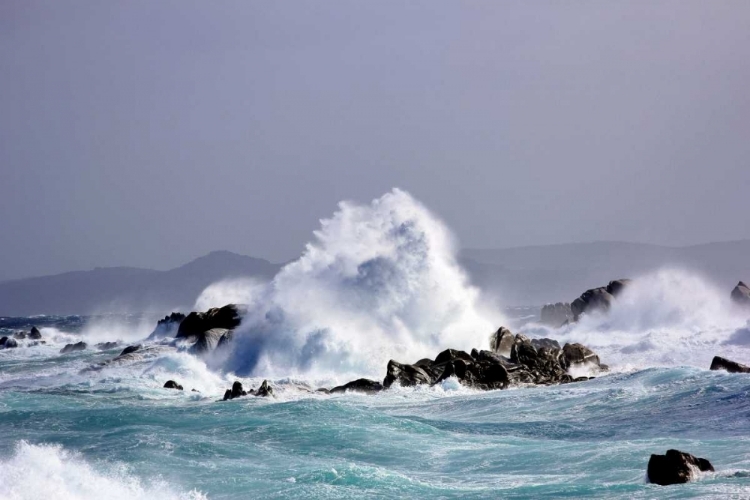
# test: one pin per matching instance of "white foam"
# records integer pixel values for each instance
(50, 471)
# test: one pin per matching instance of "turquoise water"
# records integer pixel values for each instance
(117, 434)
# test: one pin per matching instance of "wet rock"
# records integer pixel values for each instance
(577, 354)
(105, 346)
(78, 346)
(264, 390)
(452, 355)
(741, 295)
(171, 384)
(360, 385)
(19, 335)
(405, 375)
(501, 341)
(35, 334)
(227, 317)
(719, 363)
(235, 392)
(8, 343)
(548, 343)
(675, 467)
(131, 349)
(168, 326)
(210, 340)
(595, 299)
(556, 314)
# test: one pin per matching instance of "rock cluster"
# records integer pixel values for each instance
(265, 390)
(675, 467)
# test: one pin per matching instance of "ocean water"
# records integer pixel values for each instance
(378, 281)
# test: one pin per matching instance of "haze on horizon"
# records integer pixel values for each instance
(149, 133)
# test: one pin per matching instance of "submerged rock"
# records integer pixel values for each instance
(171, 384)
(35, 334)
(105, 346)
(227, 317)
(78, 346)
(719, 363)
(675, 467)
(741, 294)
(360, 385)
(130, 349)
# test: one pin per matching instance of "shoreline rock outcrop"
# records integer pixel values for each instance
(675, 467)
(719, 363)
(196, 323)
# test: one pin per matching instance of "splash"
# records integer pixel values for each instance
(379, 281)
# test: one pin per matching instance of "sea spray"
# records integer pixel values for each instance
(378, 281)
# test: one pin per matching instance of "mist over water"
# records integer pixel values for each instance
(378, 281)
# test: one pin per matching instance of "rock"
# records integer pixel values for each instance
(209, 340)
(556, 314)
(35, 334)
(105, 346)
(452, 355)
(548, 343)
(405, 375)
(8, 343)
(576, 354)
(741, 294)
(616, 287)
(167, 327)
(596, 299)
(264, 390)
(501, 341)
(227, 317)
(675, 467)
(235, 392)
(171, 384)
(19, 335)
(131, 348)
(719, 363)
(78, 346)
(360, 385)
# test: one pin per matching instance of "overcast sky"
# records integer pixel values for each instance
(149, 133)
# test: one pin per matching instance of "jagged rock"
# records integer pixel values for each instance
(78, 346)
(741, 294)
(105, 346)
(501, 341)
(719, 363)
(556, 314)
(235, 392)
(210, 340)
(264, 390)
(675, 467)
(8, 343)
(360, 385)
(35, 334)
(227, 317)
(130, 349)
(598, 299)
(548, 343)
(576, 354)
(19, 335)
(171, 384)
(168, 326)
(405, 375)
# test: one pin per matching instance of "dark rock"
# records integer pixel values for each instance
(741, 294)
(719, 363)
(105, 346)
(19, 335)
(264, 390)
(8, 343)
(78, 346)
(556, 314)
(452, 355)
(210, 340)
(227, 317)
(131, 348)
(167, 327)
(35, 334)
(360, 385)
(598, 299)
(616, 287)
(405, 375)
(548, 343)
(675, 467)
(171, 384)
(501, 341)
(235, 392)
(576, 354)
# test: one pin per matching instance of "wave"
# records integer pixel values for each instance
(379, 281)
(50, 471)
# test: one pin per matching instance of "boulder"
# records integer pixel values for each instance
(501, 341)
(264, 390)
(577, 354)
(35, 334)
(360, 385)
(171, 384)
(405, 375)
(8, 343)
(209, 340)
(78, 346)
(675, 467)
(235, 392)
(167, 327)
(719, 363)
(548, 343)
(131, 348)
(556, 314)
(227, 317)
(595, 299)
(105, 346)
(741, 295)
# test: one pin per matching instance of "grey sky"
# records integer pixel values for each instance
(148, 133)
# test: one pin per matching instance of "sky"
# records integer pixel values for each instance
(148, 133)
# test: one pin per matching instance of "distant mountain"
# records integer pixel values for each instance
(126, 288)
(540, 274)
